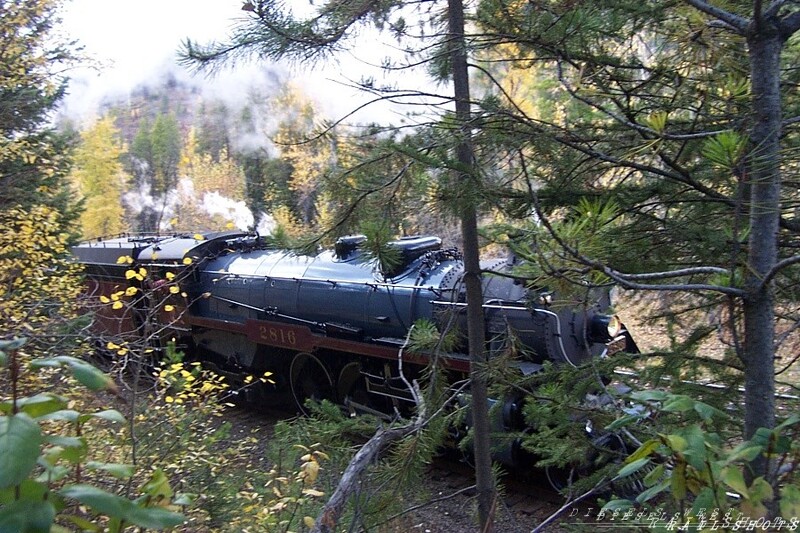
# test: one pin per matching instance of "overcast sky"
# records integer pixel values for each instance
(134, 42)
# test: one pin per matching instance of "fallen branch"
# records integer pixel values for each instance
(332, 511)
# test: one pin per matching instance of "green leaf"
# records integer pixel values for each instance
(696, 445)
(25, 516)
(790, 421)
(745, 451)
(20, 440)
(707, 412)
(657, 121)
(761, 490)
(82, 523)
(119, 471)
(704, 501)
(678, 481)
(52, 473)
(9, 345)
(618, 505)
(184, 498)
(71, 454)
(652, 492)
(27, 490)
(733, 478)
(91, 377)
(117, 507)
(36, 406)
(64, 415)
(679, 404)
(725, 149)
(3, 358)
(112, 415)
(99, 500)
(650, 395)
(633, 467)
(87, 374)
(790, 501)
(676, 443)
(645, 450)
(65, 442)
(157, 487)
(624, 421)
(654, 476)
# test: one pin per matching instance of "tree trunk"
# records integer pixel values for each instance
(472, 273)
(765, 44)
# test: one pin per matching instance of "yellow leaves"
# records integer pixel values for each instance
(138, 275)
(125, 259)
(198, 237)
(170, 276)
(308, 521)
(310, 469)
(120, 350)
(131, 291)
(117, 305)
(187, 260)
(174, 289)
(169, 308)
(105, 299)
(189, 383)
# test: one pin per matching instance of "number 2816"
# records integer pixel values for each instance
(278, 335)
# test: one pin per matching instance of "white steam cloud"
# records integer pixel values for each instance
(234, 211)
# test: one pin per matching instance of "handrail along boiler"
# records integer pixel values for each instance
(331, 325)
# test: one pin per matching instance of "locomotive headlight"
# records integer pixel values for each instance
(603, 328)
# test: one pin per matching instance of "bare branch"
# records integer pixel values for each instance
(628, 281)
(780, 265)
(734, 22)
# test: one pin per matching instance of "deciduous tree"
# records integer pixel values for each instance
(100, 179)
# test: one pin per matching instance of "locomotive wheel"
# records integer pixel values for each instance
(310, 380)
(352, 387)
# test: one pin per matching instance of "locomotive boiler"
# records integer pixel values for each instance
(330, 325)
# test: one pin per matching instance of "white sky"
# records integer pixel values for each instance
(134, 41)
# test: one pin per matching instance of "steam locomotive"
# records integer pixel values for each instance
(331, 325)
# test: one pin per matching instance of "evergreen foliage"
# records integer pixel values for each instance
(33, 157)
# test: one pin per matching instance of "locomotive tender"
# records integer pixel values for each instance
(330, 325)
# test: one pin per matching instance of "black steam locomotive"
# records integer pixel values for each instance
(329, 325)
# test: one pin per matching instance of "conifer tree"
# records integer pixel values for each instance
(33, 156)
(272, 32)
(660, 166)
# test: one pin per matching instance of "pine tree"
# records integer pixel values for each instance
(271, 32)
(660, 166)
